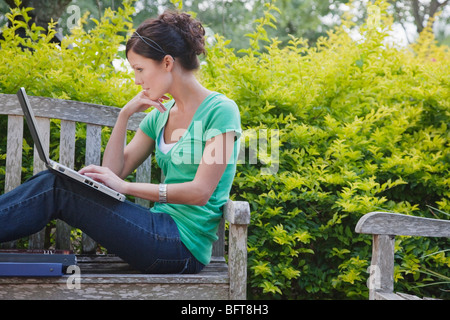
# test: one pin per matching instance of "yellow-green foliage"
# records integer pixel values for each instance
(362, 126)
(80, 68)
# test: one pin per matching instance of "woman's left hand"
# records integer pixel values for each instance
(106, 176)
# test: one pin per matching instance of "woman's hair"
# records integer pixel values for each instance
(172, 33)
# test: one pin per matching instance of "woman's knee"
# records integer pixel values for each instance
(42, 178)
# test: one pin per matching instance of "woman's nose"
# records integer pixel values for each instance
(137, 81)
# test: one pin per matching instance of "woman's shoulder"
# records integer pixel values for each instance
(220, 102)
(222, 112)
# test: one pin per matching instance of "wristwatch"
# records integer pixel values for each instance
(162, 193)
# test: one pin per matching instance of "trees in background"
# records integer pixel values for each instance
(232, 19)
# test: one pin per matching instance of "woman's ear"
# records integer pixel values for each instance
(169, 62)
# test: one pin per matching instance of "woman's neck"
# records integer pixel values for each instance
(188, 92)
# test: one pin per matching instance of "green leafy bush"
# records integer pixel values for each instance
(360, 125)
(363, 126)
(79, 68)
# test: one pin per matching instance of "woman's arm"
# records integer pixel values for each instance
(196, 192)
(113, 157)
(123, 160)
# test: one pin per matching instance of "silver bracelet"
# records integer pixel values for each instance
(162, 193)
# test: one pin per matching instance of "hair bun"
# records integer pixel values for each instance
(190, 29)
(176, 34)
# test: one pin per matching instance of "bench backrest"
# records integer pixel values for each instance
(69, 112)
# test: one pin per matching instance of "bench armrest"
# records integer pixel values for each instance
(402, 225)
(237, 213)
(384, 227)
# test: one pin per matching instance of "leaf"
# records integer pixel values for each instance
(290, 273)
(268, 287)
(262, 269)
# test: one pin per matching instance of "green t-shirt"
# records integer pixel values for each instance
(197, 224)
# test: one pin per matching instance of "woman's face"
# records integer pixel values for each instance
(153, 76)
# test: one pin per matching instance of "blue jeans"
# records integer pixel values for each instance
(150, 242)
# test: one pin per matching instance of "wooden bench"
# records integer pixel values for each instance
(384, 227)
(107, 276)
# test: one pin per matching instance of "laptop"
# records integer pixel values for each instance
(52, 165)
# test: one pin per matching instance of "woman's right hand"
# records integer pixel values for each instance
(142, 102)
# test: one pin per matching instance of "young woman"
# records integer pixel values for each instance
(195, 140)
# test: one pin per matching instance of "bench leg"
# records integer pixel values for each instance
(237, 261)
(382, 268)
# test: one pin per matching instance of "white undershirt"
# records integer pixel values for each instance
(163, 146)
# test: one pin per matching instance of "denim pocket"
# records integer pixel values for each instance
(161, 266)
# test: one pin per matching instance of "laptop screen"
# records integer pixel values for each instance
(32, 125)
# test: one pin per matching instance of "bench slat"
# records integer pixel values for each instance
(66, 158)
(68, 110)
(93, 144)
(120, 287)
(13, 159)
(67, 144)
(108, 277)
(14, 152)
(219, 246)
(143, 174)
(37, 240)
(93, 155)
(43, 125)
